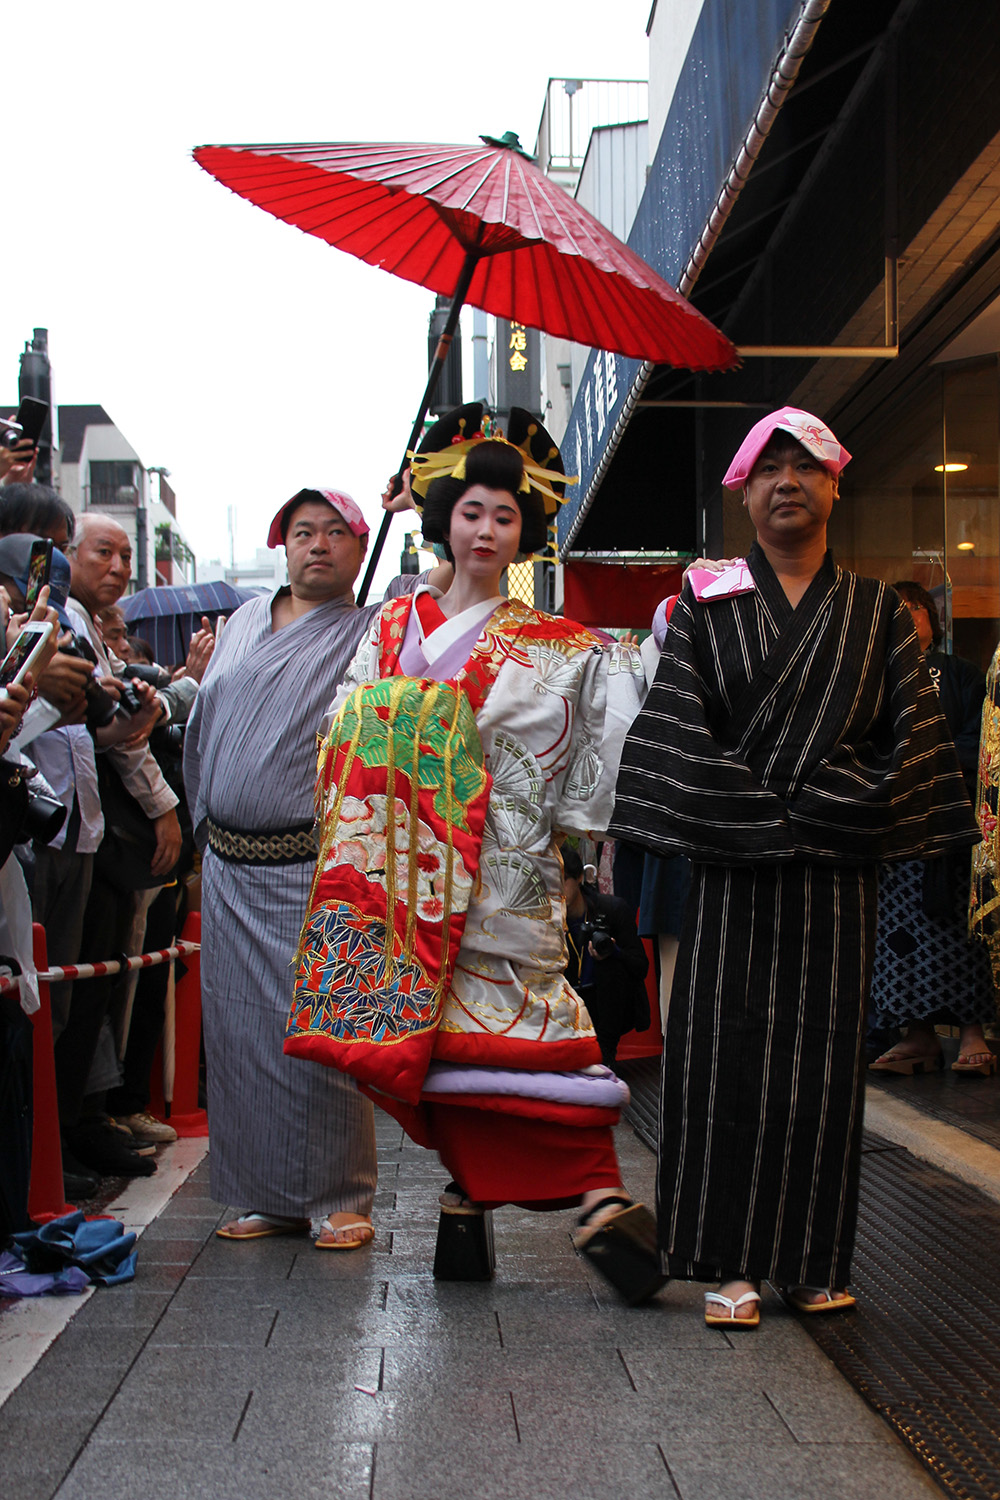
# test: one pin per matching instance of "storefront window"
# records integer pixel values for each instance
(920, 500)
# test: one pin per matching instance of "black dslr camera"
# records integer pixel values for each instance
(38, 816)
(597, 935)
(101, 706)
(155, 676)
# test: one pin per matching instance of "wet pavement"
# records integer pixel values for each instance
(967, 1100)
(267, 1368)
(921, 1346)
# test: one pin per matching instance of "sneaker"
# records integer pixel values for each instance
(119, 1133)
(147, 1129)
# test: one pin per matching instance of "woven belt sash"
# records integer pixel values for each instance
(282, 846)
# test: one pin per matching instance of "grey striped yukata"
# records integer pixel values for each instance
(785, 752)
(286, 1136)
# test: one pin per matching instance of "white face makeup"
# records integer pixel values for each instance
(484, 532)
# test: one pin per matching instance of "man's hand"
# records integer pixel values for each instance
(168, 843)
(14, 700)
(124, 728)
(402, 501)
(710, 565)
(41, 614)
(200, 651)
(64, 684)
(17, 464)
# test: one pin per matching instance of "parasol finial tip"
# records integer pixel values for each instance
(509, 141)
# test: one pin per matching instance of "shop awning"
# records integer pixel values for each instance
(742, 63)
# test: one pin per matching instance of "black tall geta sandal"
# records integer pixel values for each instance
(624, 1248)
(464, 1250)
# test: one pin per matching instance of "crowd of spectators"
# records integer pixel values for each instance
(95, 834)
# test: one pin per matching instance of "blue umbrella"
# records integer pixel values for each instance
(168, 617)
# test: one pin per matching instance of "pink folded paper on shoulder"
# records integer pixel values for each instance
(735, 580)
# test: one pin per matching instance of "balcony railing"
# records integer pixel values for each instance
(573, 108)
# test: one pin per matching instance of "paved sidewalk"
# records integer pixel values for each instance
(269, 1368)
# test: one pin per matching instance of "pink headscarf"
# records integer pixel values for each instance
(814, 435)
(339, 499)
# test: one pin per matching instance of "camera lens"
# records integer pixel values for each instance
(43, 818)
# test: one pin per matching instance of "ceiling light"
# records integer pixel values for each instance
(950, 468)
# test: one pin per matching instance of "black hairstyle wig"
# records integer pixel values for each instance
(915, 593)
(498, 466)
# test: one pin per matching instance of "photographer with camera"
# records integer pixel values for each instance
(129, 1101)
(133, 841)
(607, 963)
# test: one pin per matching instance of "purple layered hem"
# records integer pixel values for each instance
(596, 1087)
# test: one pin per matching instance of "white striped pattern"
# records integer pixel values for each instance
(772, 734)
(762, 1081)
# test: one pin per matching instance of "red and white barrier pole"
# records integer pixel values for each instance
(72, 972)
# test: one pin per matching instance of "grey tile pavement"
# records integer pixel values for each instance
(269, 1368)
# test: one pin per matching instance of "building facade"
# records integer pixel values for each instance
(98, 469)
(824, 185)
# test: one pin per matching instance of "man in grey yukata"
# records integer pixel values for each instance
(290, 1140)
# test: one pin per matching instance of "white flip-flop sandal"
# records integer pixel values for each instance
(835, 1301)
(729, 1319)
(335, 1229)
(269, 1224)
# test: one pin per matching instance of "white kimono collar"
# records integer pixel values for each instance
(435, 643)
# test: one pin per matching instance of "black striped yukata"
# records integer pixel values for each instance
(785, 752)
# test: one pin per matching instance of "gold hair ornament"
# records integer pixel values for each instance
(449, 462)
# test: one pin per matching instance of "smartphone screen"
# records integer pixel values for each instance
(18, 654)
(31, 416)
(39, 568)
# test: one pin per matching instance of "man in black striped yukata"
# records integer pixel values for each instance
(791, 740)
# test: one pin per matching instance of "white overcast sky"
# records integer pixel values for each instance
(246, 356)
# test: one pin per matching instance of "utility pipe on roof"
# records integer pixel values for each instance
(786, 72)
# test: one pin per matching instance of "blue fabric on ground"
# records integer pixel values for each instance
(99, 1247)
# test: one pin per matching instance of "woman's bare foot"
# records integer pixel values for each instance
(974, 1051)
(596, 1207)
(921, 1040)
(919, 1051)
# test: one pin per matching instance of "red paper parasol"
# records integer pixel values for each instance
(479, 224)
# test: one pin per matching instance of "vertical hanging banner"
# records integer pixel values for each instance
(518, 362)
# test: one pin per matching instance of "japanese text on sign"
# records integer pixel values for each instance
(518, 344)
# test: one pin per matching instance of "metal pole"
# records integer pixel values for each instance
(142, 535)
(472, 258)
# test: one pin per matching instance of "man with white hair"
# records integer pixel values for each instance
(101, 562)
(290, 1141)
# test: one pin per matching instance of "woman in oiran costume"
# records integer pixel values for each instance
(469, 731)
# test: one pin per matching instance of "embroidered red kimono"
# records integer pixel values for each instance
(535, 689)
